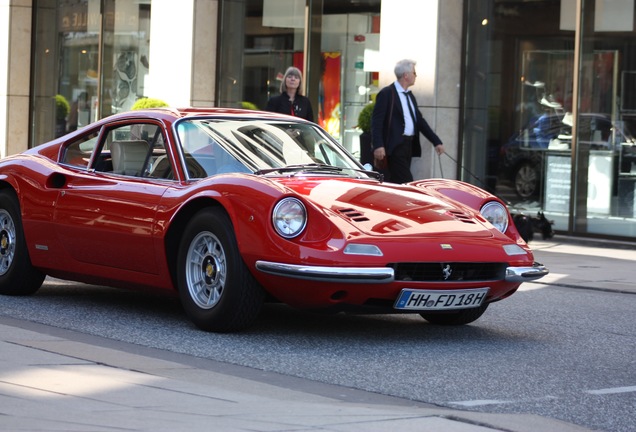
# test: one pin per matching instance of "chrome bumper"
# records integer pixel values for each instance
(377, 275)
(526, 274)
(329, 274)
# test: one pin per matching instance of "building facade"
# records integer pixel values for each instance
(534, 100)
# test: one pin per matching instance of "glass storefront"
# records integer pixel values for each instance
(90, 60)
(550, 110)
(274, 35)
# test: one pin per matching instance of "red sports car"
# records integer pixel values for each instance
(232, 208)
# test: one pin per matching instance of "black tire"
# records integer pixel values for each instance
(460, 317)
(17, 276)
(526, 180)
(216, 289)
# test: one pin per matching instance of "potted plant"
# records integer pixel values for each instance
(248, 105)
(62, 108)
(146, 102)
(364, 124)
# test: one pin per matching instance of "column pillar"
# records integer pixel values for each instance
(427, 31)
(15, 66)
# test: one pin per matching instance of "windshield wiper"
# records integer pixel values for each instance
(317, 167)
(313, 167)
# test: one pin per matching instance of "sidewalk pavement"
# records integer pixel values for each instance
(58, 380)
(587, 263)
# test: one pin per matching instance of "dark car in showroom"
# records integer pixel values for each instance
(522, 158)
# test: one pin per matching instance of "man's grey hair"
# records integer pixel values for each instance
(404, 66)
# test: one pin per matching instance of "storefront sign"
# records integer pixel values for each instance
(284, 13)
(557, 184)
(599, 183)
(79, 17)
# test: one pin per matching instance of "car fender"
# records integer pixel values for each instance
(248, 201)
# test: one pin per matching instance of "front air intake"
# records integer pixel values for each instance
(449, 272)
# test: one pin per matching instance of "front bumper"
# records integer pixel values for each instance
(526, 274)
(374, 275)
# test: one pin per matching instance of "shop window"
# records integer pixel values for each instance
(527, 129)
(272, 34)
(71, 37)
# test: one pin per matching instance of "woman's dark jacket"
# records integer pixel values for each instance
(300, 108)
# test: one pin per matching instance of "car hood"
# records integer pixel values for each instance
(392, 210)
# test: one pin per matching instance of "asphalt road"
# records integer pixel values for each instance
(554, 351)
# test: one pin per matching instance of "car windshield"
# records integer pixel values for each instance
(266, 147)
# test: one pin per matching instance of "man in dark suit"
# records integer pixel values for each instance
(396, 125)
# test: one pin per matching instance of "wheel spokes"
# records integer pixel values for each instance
(207, 270)
(7, 241)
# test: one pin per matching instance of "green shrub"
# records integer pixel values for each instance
(62, 107)
(364, 118)
(145, 103)
(248, 105)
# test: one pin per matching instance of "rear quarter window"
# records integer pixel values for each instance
(78, 153)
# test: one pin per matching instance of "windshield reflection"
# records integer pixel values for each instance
(218, 146)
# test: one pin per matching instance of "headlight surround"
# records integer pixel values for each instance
(495, 213)
(289, 217)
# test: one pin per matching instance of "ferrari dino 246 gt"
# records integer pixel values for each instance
(231, 209)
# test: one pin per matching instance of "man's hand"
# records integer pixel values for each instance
(379, 158)
(379, 153)
(440, 149)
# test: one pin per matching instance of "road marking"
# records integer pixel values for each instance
(482, 402)
(529, 286)
(612, 390)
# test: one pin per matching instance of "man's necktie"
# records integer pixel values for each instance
(408, 103)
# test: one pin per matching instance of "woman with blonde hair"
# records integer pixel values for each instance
(290, 100)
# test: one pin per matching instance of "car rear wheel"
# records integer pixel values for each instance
(526, 180)
(460, 317)
(216, 289)
(17, 275)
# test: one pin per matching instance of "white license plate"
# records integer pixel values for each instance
(439, 300)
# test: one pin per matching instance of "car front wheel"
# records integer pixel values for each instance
(17, 275)
(216, 289)
(460, 317)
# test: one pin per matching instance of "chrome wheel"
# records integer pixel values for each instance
(7, 241)
(17, 274)
(526, 181)
(217, 290)
(206, 271)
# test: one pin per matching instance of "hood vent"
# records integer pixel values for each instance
(353, 215)
(460, 216)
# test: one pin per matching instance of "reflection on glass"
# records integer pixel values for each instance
(220, 146)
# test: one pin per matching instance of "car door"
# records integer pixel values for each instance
(107, 216)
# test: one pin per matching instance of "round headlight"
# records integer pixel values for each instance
(289, 217)
(496, 214)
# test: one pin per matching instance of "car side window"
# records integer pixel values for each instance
(78, 153)
(136, 150)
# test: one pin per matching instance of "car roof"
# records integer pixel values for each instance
(184, 112)
(167, 114)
